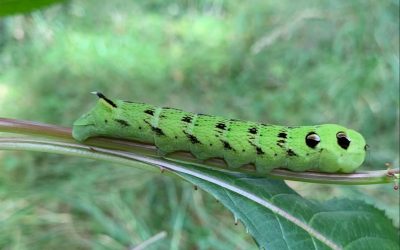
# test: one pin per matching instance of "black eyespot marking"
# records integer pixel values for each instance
(149, 111)
(211, 144)
(105, 121)
(366, 147)
(253, 130)
(193, 139)
(187, 119)
(101, 96)
(275, 154)
(343, 140)
(176, 137)
(140, 127)
(291, 152)
(243, 150)
(220, 125)
(282, 135)
(259, 151)
(312, 139)
(227, 145)
(122, 122)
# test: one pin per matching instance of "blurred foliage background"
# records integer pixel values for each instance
(284, 62)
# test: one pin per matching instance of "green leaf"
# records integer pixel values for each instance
(336, 224)
(9, 7)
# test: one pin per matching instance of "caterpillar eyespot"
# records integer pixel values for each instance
(312, 139)
(326, 148)
(343, 140)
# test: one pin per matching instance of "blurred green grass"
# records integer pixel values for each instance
(283, 62)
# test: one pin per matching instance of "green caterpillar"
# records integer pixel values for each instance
(326, 148)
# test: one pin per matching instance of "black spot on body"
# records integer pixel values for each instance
(149, 111)
(220, 125)
(227, 146)
(281, 143)
(259, 151)
(193, 139)
(253, 130)
(291, 152)
(282, 135)
(158, 131)
(105, 121)
(122, 122)
(187, 119)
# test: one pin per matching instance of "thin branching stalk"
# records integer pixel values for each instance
(61, 136)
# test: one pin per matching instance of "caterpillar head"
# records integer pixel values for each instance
(341, 149)
(91, 123)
